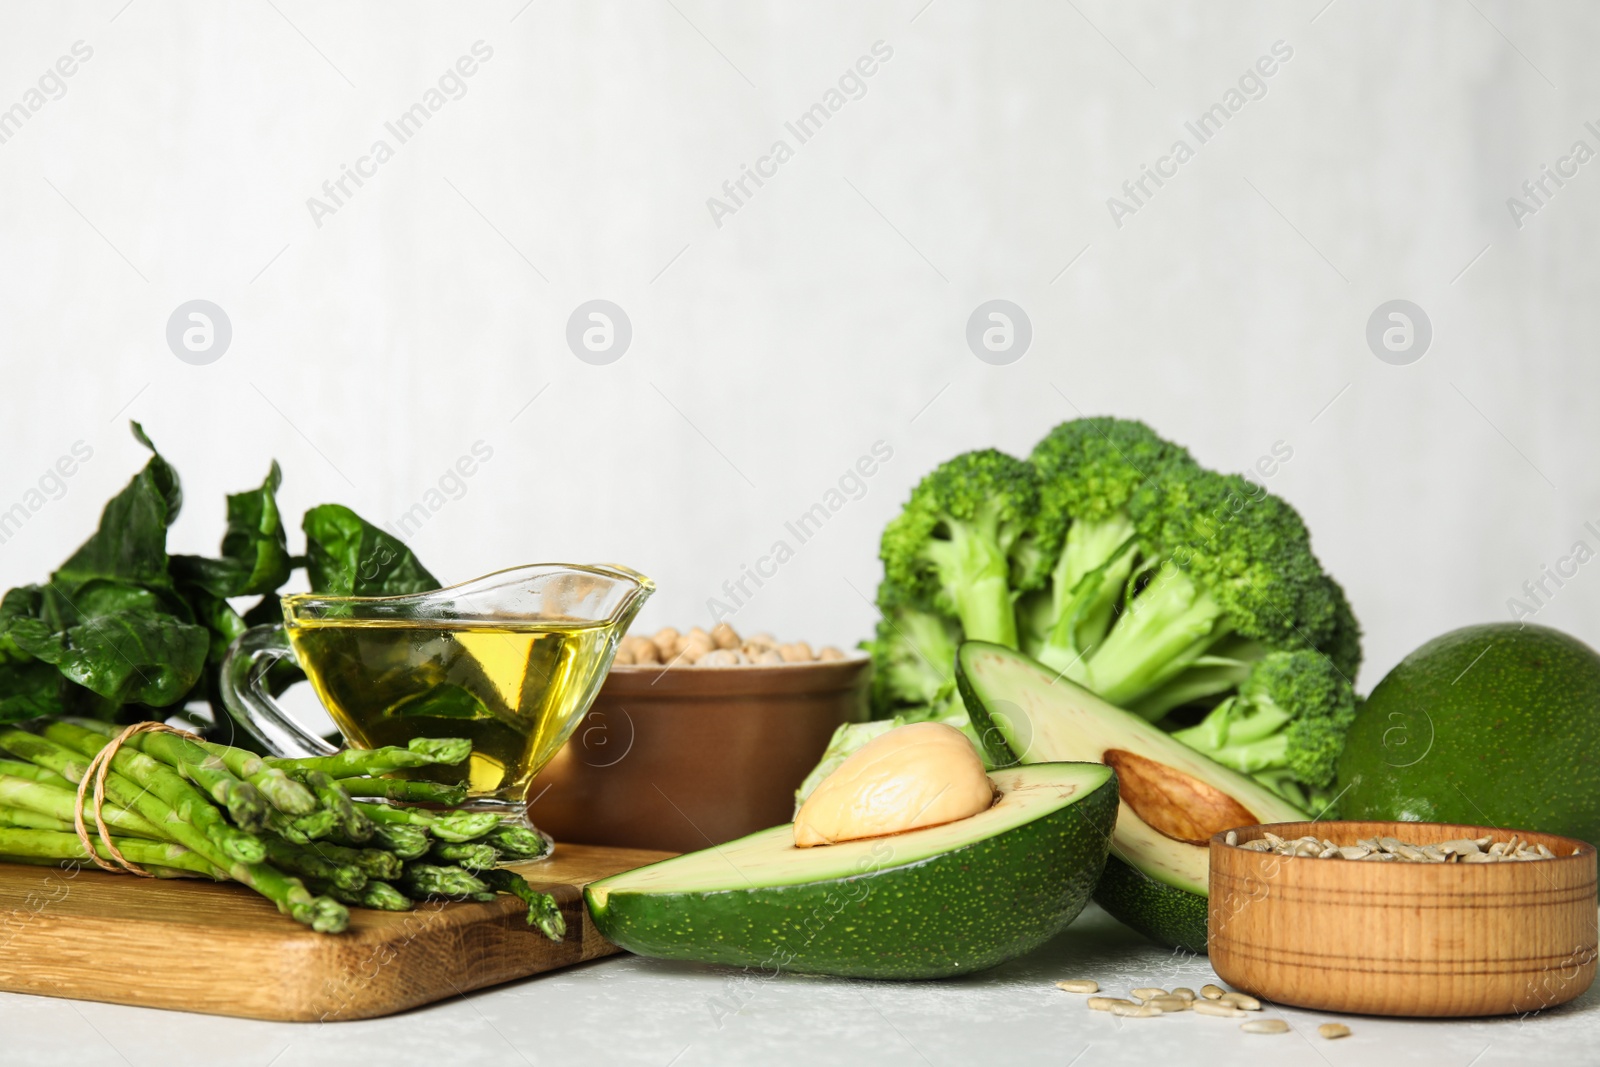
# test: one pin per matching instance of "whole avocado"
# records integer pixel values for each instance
(1495, 725)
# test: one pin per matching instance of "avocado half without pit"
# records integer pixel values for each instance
(1173, 799)
(928, 901)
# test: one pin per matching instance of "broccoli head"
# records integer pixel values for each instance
(951, 547)
(1285, 726)
(913, 657)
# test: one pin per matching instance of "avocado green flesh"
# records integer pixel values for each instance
(928, 903)
(1041, 716)
(1495, 725)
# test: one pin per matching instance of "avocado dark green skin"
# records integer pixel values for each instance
(1165, 914)
(954, 913)
(1511, 739)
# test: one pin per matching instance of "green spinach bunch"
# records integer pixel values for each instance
(125, 631)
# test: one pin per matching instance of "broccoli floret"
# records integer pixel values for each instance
(1089, 470)
(951, 547)
(1225, 574)
(913, 659)
(1285, 727)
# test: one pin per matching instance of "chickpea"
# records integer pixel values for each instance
(645, 651)
(724, 636)
(666, 642)
(760, 641)
(721, 657)
(767, 657)
(798, 652)
(829, 652)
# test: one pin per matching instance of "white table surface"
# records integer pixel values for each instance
(626, 1010)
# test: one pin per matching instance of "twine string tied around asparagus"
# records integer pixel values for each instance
(99, 767)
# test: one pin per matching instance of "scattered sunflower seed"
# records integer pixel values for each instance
(1218, 1008)
(1134, 1011)
(1169, 1003)
(1242, 1001)
(1211, 992)
(1146, 992)
(1333, 1030)
(1079, 985)
(1265, 1026)
(1184, 991)
(1107, 1003)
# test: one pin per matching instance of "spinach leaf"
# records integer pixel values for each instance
(131, 542)
(28, 688)
(348, 556)
(255, 549)
(127, 655)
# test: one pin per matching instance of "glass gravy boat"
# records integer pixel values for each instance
(510, 661)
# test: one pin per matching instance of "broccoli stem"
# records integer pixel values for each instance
(1160, 633)
(976, 575)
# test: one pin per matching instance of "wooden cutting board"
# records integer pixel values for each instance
(221, 949)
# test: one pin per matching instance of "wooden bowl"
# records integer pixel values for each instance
(684, 757)
(1435, 939)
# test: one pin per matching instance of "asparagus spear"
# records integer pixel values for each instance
(378, 895)
(61, 803)
(307, 862)
(470, 855)
(22, 819)
(140, 775)
(447, 826)
(245, 804)
(429, 880)
(303, 829)
(271, 783)
(179, 822)
(374, 862)
(519, 842)
(543, 911)
(396, 790)
(407, 842)
(46, 844)
(34, 773)
(349, 818)
(356, 762)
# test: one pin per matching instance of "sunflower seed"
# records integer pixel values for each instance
(1134, 1011)
(1184, 991)
(1242, 1001)
(1216, 1007)
(1107, 1003)
(1333, 1030)
(1169, 1003)
(1079, 985)
(1146, 992)
(1231, 837)
(1211, 992)
(1265, 1026)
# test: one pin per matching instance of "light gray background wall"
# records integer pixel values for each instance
(829, 311)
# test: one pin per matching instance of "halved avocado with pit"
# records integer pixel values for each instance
(928, 903)
(1173, 799)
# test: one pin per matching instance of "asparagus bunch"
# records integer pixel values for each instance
(314, 836)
